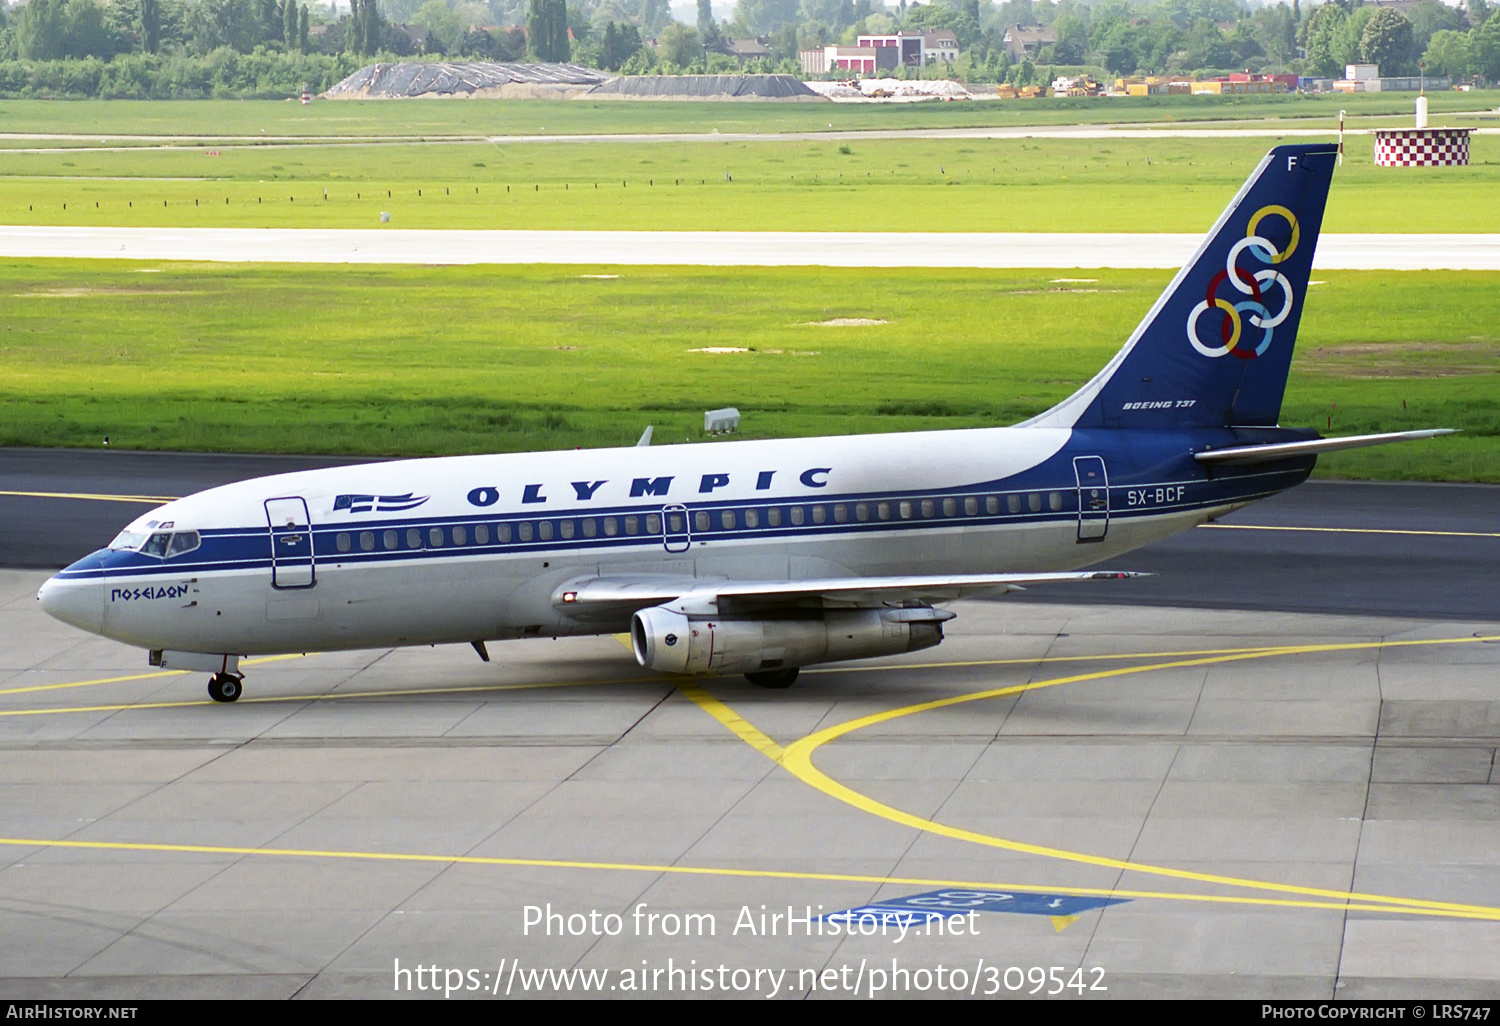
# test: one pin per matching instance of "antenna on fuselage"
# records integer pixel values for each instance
(645, 439)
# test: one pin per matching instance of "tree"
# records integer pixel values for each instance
(41, 30)
(762, 17)
(1486, 43)
(1450, 53)
(679, 45)
(1387, 41)
(289, 34)
(708, 29)
(1318, 36)
(365, 30)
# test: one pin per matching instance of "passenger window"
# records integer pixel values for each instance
(544, 530)
(183, 541)
(590, 528)
(413, 538)
(928, 509)
(675, 523)
(1054, 501)
(992, 504)
(752, 518)
(157, 545)
(773, 517)
(565, 528)
(950, 507)
(460, 535)
(906, 511)
(700, 521)
(611, 527)
(341, 541)
(524, 530)
(796, 516)
(653, 523)
(502, 533)
(367, 541)
(862, 511)
(435, 537)
(883, 511)
(1013, 503)
(390, 539)
(841, 513)
(481, 534)
(727, 519)
(819, 514)
(632, 525)
(1034, 502)
(971, 506)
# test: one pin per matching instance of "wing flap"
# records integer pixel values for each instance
(604, 597)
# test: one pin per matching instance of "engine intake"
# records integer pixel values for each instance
(674, 642)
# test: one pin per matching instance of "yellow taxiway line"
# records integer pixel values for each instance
(155, 500)
(796, 758)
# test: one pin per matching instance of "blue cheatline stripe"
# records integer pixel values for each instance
(245, 548)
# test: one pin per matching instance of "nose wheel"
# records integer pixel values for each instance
(225, 687)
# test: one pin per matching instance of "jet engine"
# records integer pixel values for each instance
(674, 642)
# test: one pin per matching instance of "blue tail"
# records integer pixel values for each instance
(1216, 348)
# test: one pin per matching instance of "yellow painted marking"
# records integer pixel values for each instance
(680, 870)
(1036, 660)
(155, 500)
(324, 697)
(1061, 923)
(1355, 530)
(135, 676)
(624, 639)
(797, 760)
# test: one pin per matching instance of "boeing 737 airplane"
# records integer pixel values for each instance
(753, 557)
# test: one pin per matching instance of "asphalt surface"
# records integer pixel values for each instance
(1370, 252)
(1352, 548)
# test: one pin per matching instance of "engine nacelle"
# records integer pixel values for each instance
(673, 642)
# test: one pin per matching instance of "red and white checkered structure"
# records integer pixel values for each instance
(1421, 147)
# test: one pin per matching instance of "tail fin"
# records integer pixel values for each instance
(1216, 347)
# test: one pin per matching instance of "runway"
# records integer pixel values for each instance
(1272, 777)
(749, 249)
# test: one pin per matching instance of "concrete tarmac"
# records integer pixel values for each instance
(1475, 252)
(1161, 803)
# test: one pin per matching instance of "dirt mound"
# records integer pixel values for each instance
(409, 80)
(703, 87)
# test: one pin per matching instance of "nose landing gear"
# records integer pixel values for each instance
(225, 687)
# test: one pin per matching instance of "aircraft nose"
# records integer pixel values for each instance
(76, 595)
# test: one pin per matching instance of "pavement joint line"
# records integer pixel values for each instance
(681, 870)
(796, 758)
(325, 697)
(623, 639)
(134, 676)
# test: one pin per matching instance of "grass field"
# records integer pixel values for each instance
(1174, 184)
(442, 360)
(223, 118)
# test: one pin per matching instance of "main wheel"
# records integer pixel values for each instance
(773, 678)
(224, 687)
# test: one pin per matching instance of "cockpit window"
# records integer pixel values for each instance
(129, 540)
(156, 545)
(182, 541)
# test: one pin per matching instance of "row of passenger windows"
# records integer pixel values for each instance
(703, 520)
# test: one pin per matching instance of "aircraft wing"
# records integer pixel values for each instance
(619, 596)
(1281, 450)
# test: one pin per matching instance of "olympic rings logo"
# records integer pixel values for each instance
(1232, 331)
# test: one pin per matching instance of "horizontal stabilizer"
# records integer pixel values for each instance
(1282, 450)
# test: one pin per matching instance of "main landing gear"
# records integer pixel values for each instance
(225, 687)
(776, 679)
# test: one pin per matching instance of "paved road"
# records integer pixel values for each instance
(752, 249)
(1326, 547)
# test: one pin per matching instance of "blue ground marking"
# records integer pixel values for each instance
(919, 908)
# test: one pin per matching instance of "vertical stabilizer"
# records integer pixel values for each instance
(1216, 348)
